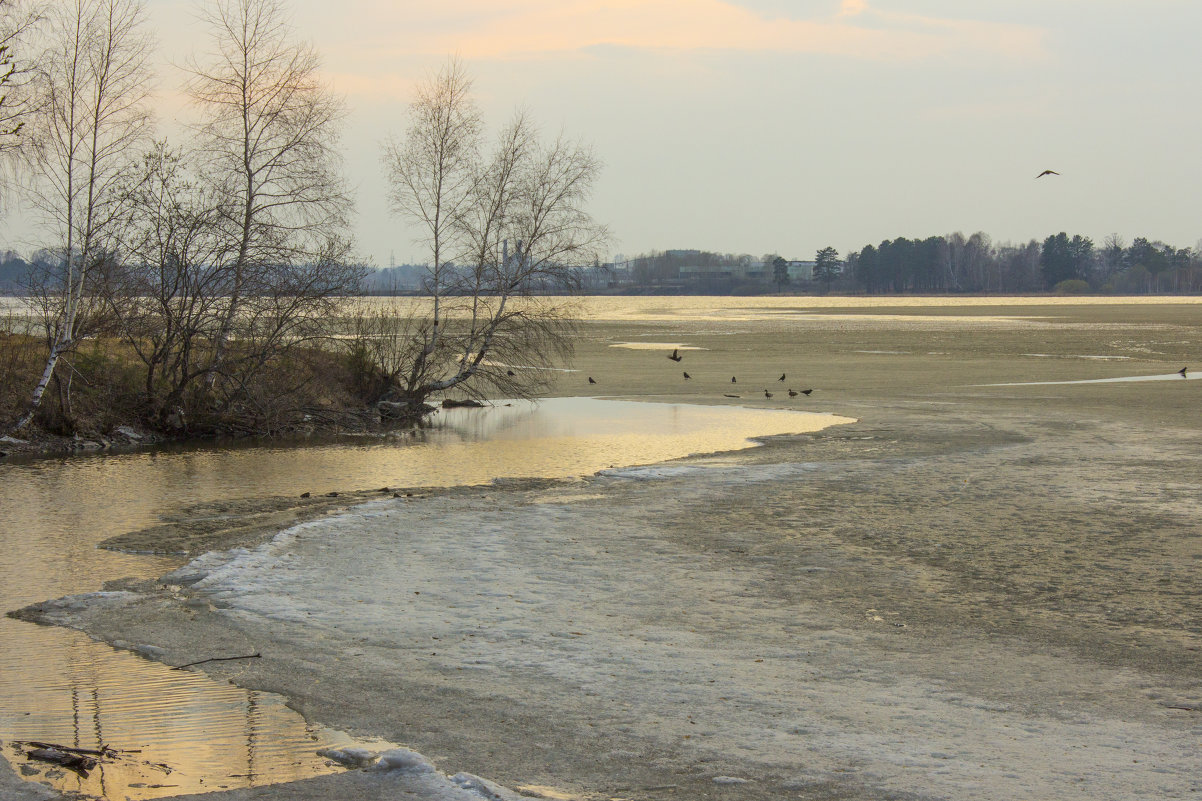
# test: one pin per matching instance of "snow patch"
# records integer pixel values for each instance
(490, 791)
(351, 757)
(653, 472)
(404, 760)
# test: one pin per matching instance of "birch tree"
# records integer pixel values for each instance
(433, 174)
(507, 234)
(18, 100)
(267, 137)
(92, 120)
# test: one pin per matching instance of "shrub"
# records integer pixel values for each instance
(1071, 286)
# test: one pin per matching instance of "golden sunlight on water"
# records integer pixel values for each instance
(187, 733)
(764, 307)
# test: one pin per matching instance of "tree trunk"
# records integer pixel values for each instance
(57, 350)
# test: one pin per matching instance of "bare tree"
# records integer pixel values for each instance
(508, 235)
(166, 298)
(91, 120)
(433, 170)
(164, 293)
(268, 136)
(18, 98)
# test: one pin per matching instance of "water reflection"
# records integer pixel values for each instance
(191, 734)
(655, 346)
(1119, 380)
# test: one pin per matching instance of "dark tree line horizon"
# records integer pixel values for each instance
(1062, 263)
(956, 263)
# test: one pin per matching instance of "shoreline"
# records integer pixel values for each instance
(1036, 545)
(952, 620)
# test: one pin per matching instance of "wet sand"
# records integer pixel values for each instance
(972, 592)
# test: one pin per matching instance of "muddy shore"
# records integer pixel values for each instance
(975, 591)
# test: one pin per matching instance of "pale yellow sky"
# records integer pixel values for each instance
(788, 125)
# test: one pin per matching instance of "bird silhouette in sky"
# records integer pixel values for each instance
(675, 355)
(1046, 172)
(686, 375)
(590, 380)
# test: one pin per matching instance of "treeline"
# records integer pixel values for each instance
(937, 264)
(14, 273)
(1061, 263)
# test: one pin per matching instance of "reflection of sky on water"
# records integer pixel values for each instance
(655, 346)
(1120, 380)
(59, 686)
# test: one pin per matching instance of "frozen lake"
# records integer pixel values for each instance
(195, 734)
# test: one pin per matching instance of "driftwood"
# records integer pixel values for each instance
(451, 403)
(1183, 708)
(81, 760)
(64, 756)
(216, 659)
(102, 751)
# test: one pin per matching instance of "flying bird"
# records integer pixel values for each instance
(1046, 172)
(686, 375)
(590, 380)
(675, 355)
(782, 377)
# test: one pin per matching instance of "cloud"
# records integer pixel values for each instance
(385, 34)
(486, 29)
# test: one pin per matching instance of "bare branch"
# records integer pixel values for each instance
(506, 234)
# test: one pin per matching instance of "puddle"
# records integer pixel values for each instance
(188, 733)
(1076, 356)
(655, 346)
(174, 732)
(1119, 380)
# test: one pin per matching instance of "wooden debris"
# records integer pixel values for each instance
(77, 762)
(217, 659)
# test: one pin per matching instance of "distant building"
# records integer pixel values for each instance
(801, 271)
(707, 272)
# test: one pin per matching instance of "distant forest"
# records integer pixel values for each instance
(1060, 264)
(937, 264)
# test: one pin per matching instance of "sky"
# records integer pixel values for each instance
(784, 126)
